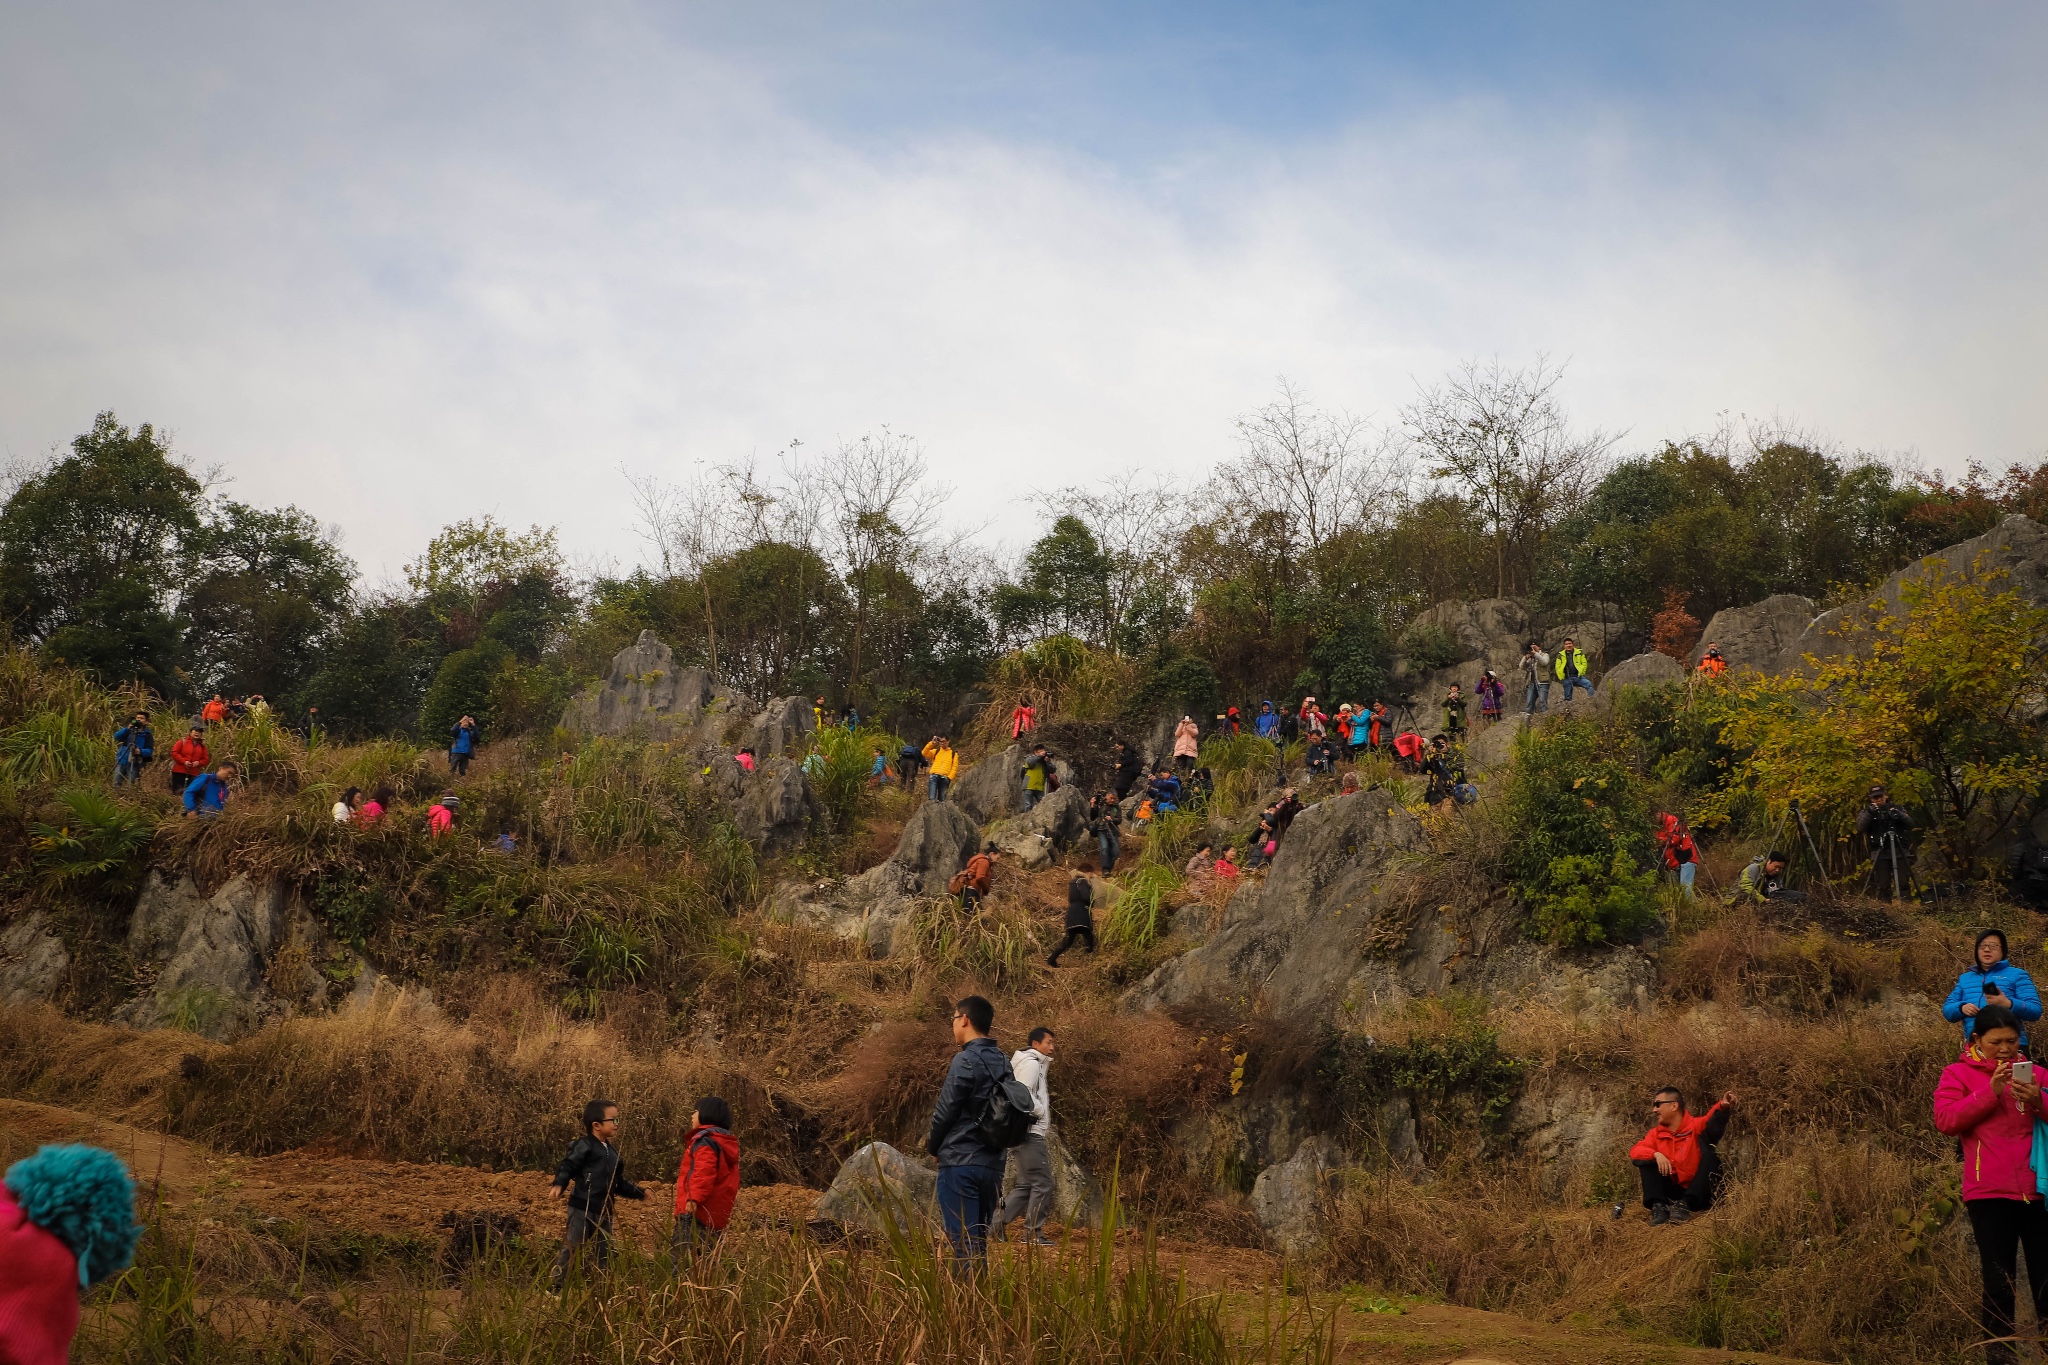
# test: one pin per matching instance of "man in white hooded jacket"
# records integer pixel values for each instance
(1032, 1194)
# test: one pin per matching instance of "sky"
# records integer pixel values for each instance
(401, 264)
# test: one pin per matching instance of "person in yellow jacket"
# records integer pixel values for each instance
(1570, 666)
(944, 762)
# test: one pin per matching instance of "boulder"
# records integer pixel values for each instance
(1491, 633)
(879, 1185)
(1042, 834)
(1763, 635)
(1569, 1129)
(1287, 1199)
(780, 726)
(1076, 1202)
(1320, 936)
(212, 956)
(1492, 747)
(776, 806)
(645, 694)
(1644, 670)
(2013, 553)
(936, 843)
(32, 960)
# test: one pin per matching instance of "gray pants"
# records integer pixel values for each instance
(583, 1227)
(1031, 1196)
(690, 1240)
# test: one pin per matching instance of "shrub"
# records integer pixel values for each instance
(57, 745)
(97, 846)
(1577, 821)
(1429, 646)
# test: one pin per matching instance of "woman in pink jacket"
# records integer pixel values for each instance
(1187, 742)
(1991, 1111)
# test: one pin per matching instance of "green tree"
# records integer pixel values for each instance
(468, 683)
(375, 669)
(270, 587)
(1579, 842)
(91, 549)
(470, 560)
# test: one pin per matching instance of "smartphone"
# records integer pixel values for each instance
(1991, 988)
(2023, 1072)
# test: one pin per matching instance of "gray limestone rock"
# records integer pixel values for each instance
(1763, 635)
(211, 954)
(1644, 670)
(32, 960)
(776, 806)
(878, 1185)
(1076, 1202)
(1041, 835)
(780, 726)
(1287, 1199)
(644, 693)
(936, 843)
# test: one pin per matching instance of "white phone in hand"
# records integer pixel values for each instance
(2023, 1072)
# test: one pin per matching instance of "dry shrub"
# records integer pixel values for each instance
(1742, 957)
(114, 1072)
(890, 1081)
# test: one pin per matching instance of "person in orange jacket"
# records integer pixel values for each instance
(708, 1181)
(189, 758)
(215, 711)
(1680, 1167)
(1713, 663)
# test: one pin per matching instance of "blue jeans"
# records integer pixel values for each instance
(1536, 698)
(1032, 796)
(1570, 683)
(968, 1196)
(935, 787)
(1686, 872)
(1107, 845)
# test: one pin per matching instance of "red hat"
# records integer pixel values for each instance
(38, 1290)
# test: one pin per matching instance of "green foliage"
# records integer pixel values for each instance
(1428, 646)
(467, 684)
(1452, 1054)
(353, 908)
(731, 868)
(470, 559)
(1173, 681)
(1577, 820)
(1137, 920)
(607, 954)
(838, 764)
(375, 669)
(57, 745)
(1062, 676)
(267, 590)
(1065, 587)
(97, 845)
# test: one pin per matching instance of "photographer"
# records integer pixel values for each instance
(1764, 880)
(1885, 828)
(1992, 979)
(1989, 1100)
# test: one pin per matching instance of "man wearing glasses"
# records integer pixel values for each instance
(1680, 1167)
(970, 1167)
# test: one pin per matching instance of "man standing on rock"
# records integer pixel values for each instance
(970, 1167)
(1535, 679)
(944, 764)
(1035, 769)
(1031, 1196)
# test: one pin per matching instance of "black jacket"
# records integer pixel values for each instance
(955, 1138)
(596, 1170)
(1080, 900)
(1875, 822)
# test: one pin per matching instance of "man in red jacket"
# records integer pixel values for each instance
(189, 758)
(708, 1181)
(1680, 1168)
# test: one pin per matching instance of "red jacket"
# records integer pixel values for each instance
(189, 756)
(710, 1174)
(1683, 1146)
(1676, 841)
(1997, 1135)
(38, 1291)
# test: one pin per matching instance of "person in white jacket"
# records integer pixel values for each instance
(1031, 1195)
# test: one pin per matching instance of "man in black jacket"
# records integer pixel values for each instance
(970, 1167)
(1128, 770)
(1885, 829)
(598, 1175)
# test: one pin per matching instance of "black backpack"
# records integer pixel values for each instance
(1006, 1119)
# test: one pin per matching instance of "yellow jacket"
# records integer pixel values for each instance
(943, 762)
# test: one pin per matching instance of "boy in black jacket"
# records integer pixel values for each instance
(598, 1174)
(1080, 919)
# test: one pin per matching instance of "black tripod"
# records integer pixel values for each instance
(1820, 867)
(1887, 848)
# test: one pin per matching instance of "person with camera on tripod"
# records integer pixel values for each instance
(1885, 828)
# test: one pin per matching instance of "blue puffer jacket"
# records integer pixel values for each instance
(1268, 723)
(2017, 990)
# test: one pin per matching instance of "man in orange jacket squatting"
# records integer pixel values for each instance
(1680, 1168)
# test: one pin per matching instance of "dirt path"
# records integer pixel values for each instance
(402, 1200)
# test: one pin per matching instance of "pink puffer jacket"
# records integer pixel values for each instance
(1997, 1135)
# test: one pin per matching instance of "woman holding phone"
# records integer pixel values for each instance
(1988, 1100)
(1992, 980)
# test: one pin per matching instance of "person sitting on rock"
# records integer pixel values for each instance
(1677, 1158)
(1445, 768)
(1022, 717)
(745, 758)
(1201, 868)
(1320, 757)
(1225, 867)
(1265, 840)
(1164, 791)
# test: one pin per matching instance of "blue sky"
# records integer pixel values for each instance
(400, 264)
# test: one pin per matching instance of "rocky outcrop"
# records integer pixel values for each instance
(2012, 554)
(1287, 1199)
(1567, 1130)
(869, 908)
(646, 695)
(214, 961)
(879, 1186)
(1763, 635)
(1644, 670)
(1326, 932)
(780, 726)
(33, 960)
(1491, 633)
(776, 806)
(994, 787)
(1042, 834)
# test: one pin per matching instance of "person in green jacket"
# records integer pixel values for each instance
(1035, 769)
(1454, 713)
(1570, 665)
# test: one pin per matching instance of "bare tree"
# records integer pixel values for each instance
(878, 512)
(690, 525)
(1323, 470)
(1503, 435)
(1136, 526)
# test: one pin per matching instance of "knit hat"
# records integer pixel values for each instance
(67, 1220)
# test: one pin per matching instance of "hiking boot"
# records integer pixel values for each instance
(1052, 962)
(1680, 1214)
(1660, 1214)
(1039, 1239)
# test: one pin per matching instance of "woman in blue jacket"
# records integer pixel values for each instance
(1992, 980)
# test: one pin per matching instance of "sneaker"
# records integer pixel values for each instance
(1680, 1214)
(1660, 1215)
(1039, 1239)
(1052, 962)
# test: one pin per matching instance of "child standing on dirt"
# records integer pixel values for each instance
(708, 1181)
(592, 1176)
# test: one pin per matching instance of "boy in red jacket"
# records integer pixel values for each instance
(708, 1181)
(1681, 1170)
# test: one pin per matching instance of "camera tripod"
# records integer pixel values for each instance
(1820, 867)
(1889, 850)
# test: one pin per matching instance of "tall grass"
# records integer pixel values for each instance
(994, 945)
(1139, 919)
